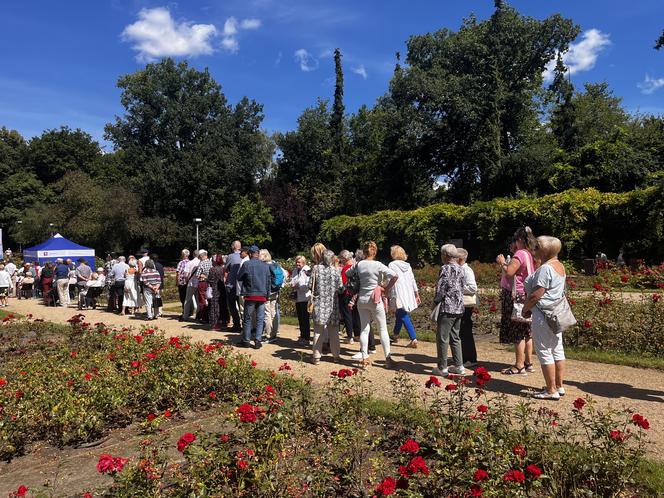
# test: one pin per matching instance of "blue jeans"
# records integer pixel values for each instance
(251, 307)
(402, 317)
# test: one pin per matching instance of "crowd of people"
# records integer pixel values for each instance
(341, 294)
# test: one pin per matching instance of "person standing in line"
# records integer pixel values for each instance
(300, 284)
(5, 285)
(346, 263)
(216, 284)
(158, 302)
(232, 266)
(405, 295)
(13, 274)
(202, 274)
(449, 303)
(131, 299)
(514, 275)
(47, 280)
(256, 280)
(545, 291)
(62, 282)
(181, 276)
(111, 260)
(371, 299)
(326, 285)
(83, 274)
(468, 349)
(191, 298)
(151, 283)
(119, 271)
(271, 327)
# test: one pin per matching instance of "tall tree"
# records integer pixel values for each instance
(338, 109)
(563, 113)
(472, 93)
(191, 152)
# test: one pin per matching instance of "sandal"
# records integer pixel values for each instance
(514, 370)
(529, 367)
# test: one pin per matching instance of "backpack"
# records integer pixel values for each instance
(277, 278)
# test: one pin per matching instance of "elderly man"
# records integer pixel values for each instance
(10, 268)
(62, 281)
(256, 280)
(233, 263)
(202, 273)
(191, 298)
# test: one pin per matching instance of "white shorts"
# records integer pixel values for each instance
(547, 345)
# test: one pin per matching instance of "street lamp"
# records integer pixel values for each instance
(197, 221)
(50, 226)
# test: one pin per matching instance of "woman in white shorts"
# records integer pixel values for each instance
(545, 287)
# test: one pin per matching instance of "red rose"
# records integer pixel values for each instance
(108, 464)
(285, 368)
(493, 308)
(476, 491)
(253, 363)
(640, 421)
(534, 471)
(73, 354)
(87, 494)
(482, 376)
(618, 436)
(224, 438)
(167, 413)
(88, 376)
(185, 440)
(417, 465)
(432, 382)
(451, 387)
(212, 395)
(270, 391)
(514, 475)
(587, 324)
(519, 450)
(3, 382)
(656, 298)
(482, 408)
(624, 278)
(21, 491)
(242, 464)
(410, 446)
(138, 338)
(579, 403)
(480, 475)
(151, 417)
(221, 362)
(386, 487)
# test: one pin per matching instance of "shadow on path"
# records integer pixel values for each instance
(616, 390)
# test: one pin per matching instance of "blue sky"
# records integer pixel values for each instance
(61, 60)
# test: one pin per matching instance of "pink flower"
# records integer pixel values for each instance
(109, 464)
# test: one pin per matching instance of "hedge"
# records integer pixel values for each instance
(585, 220)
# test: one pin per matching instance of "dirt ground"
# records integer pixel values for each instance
(72, 469)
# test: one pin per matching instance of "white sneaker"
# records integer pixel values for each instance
(457, 370)
(438, 372)
(561, 390)
(547, 395)
(357, 356)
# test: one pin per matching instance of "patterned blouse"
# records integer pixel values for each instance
(328, 285)
(449, 289)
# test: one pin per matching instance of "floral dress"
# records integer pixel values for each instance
(216, 282)
(327, 285)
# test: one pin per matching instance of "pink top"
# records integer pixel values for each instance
(522, 256)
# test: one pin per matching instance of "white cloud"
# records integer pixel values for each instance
(279, 57)
(306, 61)
(156, 34)
(232, 28)
(361, 71)
(650, 85)
(250, 23)
(581, 56)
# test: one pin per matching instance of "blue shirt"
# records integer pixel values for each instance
(233, 262)
(61, 271)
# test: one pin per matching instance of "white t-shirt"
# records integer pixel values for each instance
(10, 268)
(189, 268)
(5, 279)
(547, 278)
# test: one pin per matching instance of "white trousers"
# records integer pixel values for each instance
(376, 312)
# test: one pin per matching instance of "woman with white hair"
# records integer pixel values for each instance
(448, 312)
(546, 302)
(181, 276)
(132, 299)
(468, 349)
(405, 295)
(326, 285)
(300, 284)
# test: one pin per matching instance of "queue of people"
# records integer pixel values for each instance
(240, 291)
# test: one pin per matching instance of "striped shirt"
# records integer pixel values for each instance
(150, 277)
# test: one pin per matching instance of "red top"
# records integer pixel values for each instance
(344, 278)
(260, 299)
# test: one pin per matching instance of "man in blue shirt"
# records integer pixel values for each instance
(256, 279)
(62, 282)
(233, 263)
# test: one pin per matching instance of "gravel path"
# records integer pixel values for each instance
(618, 386)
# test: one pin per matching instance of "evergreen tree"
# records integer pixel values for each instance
(338, 110)
(563, 114)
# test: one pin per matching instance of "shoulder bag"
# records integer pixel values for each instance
(310, 304)
(517, 308)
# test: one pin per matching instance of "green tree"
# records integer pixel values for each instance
(338, 109)
(191, 153)
(473, 93)
(563, 114)
(56, 152)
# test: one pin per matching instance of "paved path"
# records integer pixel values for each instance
(618, 386)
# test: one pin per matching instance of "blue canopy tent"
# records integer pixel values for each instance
(58, 247)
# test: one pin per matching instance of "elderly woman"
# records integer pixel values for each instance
(131, 297)
(449, 308)
(181, 276)
(270, 327)
(468, 350)
(376, 281)
(217, 286)
(300, 285)
(512, 281)
(151, 281)
(326, 285)
(545, 289)
(346, 263)
(405, 295)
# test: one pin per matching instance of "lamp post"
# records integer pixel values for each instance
(197, 221)
(20, 244)
(50, 227)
